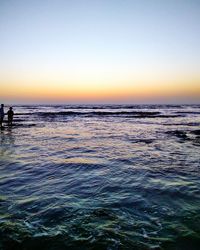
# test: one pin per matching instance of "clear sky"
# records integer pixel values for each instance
(91, 51)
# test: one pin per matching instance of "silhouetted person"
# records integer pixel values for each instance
(10, 116)
(1, 115)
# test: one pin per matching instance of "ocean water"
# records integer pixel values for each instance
(101, 177)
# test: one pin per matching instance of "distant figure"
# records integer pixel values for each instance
(1, 115)
(10, 116)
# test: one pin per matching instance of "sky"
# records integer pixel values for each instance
(105, 51)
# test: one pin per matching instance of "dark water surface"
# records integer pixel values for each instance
(101, 177)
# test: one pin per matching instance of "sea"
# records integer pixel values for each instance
(100, 177)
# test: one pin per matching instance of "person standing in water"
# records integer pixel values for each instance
(1, 115)
(10, 116)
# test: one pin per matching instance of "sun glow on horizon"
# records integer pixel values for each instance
(98, 91)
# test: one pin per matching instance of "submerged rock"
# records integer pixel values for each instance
(196, 141)
(178, 133)
(196, 132)
(184, 137)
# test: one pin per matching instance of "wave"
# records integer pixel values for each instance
(188, 112)
(100, 113)
(128, 114)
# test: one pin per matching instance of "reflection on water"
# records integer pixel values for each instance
(7, 141)
(122, 178)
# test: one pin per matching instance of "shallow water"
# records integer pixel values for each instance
(101, 177)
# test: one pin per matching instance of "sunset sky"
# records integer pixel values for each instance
(99, 51)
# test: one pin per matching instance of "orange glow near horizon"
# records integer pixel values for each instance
(95, 91)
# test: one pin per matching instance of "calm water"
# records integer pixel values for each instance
(101, 177)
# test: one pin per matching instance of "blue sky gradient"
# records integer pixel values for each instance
(100, 42)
